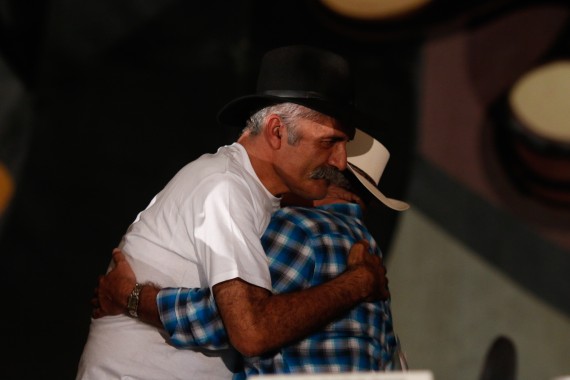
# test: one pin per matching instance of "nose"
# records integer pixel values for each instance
(338, 156)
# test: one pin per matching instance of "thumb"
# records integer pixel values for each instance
(357, 252)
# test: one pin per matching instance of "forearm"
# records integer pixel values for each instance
(147, 308)
(257, 321)
(288, 317)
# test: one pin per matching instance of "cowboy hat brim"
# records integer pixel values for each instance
(394, 204)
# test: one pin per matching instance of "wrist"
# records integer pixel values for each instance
(148, 308)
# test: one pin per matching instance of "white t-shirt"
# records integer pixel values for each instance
(203, 228)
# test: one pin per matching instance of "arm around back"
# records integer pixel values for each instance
(257, 321)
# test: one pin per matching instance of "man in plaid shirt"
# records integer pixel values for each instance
(305, 247)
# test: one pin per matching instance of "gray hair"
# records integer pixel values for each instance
(289, 114)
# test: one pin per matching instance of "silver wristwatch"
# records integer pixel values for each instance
(133, 303)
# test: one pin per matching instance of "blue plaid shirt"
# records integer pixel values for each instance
(305, 247)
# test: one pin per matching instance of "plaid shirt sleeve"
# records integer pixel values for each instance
(191, 319)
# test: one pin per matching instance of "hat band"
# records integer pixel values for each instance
(297, 94)
(363, 173)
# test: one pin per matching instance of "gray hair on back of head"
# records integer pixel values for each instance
(289, 113)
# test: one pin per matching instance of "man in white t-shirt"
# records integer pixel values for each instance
(203, 230)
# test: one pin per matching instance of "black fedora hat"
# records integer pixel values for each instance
(309, 76)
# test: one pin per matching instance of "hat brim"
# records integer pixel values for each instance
(238, 111)
(392, 203)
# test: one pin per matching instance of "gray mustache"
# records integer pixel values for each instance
(331, 174)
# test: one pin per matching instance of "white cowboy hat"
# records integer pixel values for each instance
(367, 158)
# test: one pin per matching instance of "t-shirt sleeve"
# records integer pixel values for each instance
(227, 232)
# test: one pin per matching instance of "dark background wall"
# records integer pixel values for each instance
(101, 102)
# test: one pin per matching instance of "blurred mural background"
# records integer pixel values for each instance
(101, 102)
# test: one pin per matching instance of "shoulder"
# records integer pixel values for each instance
(226, 167)
(300, 215)
(311, 221)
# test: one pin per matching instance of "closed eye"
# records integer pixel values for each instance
(329, 143)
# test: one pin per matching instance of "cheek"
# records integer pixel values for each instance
(297, 167)
(301, 165)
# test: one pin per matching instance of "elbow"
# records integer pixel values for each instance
(251, 343)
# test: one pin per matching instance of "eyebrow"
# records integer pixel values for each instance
(336, 138)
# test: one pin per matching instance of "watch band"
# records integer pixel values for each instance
(133, 302)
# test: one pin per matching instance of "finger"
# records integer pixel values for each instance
(355, 198)
(118, 256)
(357, 252)
(363, 245)
(356, 255)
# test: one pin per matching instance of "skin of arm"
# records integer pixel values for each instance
(257, 321)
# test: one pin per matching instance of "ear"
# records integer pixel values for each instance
(274, 131)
